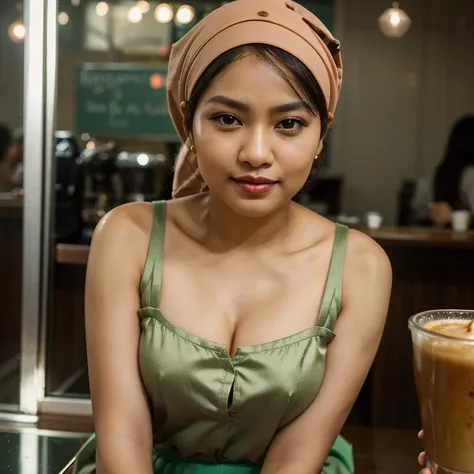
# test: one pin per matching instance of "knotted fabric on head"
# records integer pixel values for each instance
(281, 23)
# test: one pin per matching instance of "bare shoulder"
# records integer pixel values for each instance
(365, 258)
(132, 218)
(124, 231)
(367, 283)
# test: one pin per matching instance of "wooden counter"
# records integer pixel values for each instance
(386, 236)
(421, 237)
(72, 254)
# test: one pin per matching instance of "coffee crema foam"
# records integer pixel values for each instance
(460, 348)
(452, 327)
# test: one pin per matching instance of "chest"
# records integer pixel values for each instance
(240, 300)
(194, 376)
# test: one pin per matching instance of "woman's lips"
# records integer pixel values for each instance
(253, 185)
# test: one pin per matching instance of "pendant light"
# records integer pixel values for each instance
(394, 22)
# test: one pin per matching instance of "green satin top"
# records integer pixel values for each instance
(209, 409)
(208, 405)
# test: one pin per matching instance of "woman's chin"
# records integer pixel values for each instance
(255, 208)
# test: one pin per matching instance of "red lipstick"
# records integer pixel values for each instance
(254, 184)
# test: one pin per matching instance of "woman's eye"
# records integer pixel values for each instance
(291, 124)
(227, 120)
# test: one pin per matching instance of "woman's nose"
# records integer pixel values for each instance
(256, 150)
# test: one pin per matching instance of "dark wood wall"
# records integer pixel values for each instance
(66, 344)
(10, 281)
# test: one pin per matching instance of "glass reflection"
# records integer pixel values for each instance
(11, 206)
(37, 452)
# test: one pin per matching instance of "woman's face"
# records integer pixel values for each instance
(254, 138)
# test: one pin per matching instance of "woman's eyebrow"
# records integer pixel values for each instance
(227, 101)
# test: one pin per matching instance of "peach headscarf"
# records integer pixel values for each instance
(281, 23)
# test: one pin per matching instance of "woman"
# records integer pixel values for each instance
(238, 371)
(454, 177)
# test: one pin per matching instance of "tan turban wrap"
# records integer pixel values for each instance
(281, 23)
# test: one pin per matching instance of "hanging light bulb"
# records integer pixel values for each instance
(17, 31)
(144, 6)
(185, 14)
(164, 13)
(63, 18)
(134, 15)
(394, 22)
(102, 8)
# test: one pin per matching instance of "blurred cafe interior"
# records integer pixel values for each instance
(84, 127)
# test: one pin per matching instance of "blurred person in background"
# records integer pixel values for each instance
(454, 178)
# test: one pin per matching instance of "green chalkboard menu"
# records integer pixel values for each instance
(119, 99)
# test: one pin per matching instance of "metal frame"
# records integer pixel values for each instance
(51, 66)
(40, 85)
(35, 22)
(18, 418)
(66, 406)
(51, 404)
(40, 72)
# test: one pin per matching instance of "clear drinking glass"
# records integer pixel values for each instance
(443, 350)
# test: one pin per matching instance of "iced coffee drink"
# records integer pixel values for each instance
(443, 348)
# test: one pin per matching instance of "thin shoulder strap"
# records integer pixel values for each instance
(150, 285)
(332, 299)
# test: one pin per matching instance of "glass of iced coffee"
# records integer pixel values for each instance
(443, 350)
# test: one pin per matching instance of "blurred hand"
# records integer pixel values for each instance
(422, 457)
(440, 213)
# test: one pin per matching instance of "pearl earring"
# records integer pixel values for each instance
(192, 148)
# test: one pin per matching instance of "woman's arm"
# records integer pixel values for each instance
(302, 446)
(121, 414)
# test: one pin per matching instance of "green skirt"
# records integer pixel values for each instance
(339, 461)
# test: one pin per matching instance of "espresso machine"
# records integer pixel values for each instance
(102, 190)
(69, 188)
(112, 177)
(143, 176)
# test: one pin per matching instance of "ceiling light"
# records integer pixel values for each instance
(135, 15)
(63, 18)
(164, 13)
(102, 8)
(144, 6)
(394, 22)
(185, 14)
(17, 31)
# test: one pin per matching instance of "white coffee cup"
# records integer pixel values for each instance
(374, 219)
(460, 220)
